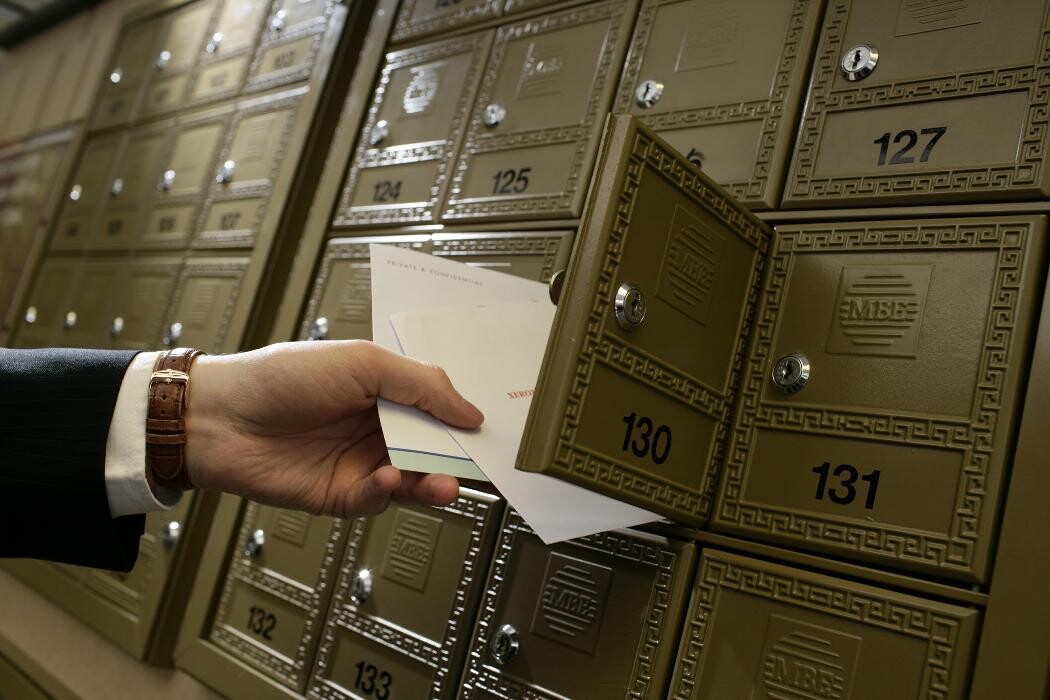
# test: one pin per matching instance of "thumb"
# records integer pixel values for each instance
(423, 385)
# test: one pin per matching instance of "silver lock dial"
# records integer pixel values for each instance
(163, 59)
(629, 306)
(169, 534)
(31, 315)
(277, 21)
(361, 587)
(214, 43)
(791, 373)
(254, 546)
(225, 173)
(379, 132)
(555, 286)
(115, 75)
(648, 93)
(167, 179)
(505, 644)
(70, 321)
(116, 187)
(494, 114)
(173, 334)
(75, 192)
(117, 327)
(859, 62)
(318, 329)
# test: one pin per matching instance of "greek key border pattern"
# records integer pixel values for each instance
(200, 268)
(547, 246)
(405, 28)
(823, 100)
(309, 600)
(479, 675)
(442, 152)
(438, 656)
(769, 111)
(974, 438)
(607, 349)
(476, 142)
(818, 594)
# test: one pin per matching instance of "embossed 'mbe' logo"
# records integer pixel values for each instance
(879, 310)
(805, 662)
(572, 602)
(542, 71)
(690, 261)
(422, 89)
(411, 549)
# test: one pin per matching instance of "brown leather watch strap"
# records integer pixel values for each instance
(165, 419)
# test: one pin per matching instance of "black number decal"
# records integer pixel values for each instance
(166, 224)
(911, 138)
(694, 157)
(899, 158)
(441, 4)
(261, 622)
(938, 132)
(847, 475)
(284, 60)
(511, 181)
(387, 191)
(366, 681)
(647, 442)
(228, 220)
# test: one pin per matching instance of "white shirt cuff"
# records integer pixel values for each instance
(127, 489)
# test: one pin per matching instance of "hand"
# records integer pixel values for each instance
(295, 425)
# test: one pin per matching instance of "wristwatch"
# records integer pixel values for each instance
(169, 388)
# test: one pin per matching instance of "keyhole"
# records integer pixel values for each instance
(856, 59)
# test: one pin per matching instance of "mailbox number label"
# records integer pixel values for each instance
(261, 622)
(643, 439)
(442, 4)
(511, 181)
(285, 59)
(845, 492)
(908, 139)
(387, 191)
(371, 681)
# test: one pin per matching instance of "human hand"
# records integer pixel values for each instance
(295, 425)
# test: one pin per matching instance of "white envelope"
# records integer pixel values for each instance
(404, 280)
(493, 356)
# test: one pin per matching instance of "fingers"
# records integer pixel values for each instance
(426, 489)
(427, 387)
(371, 495)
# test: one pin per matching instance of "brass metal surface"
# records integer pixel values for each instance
(406, 600)
(602, 611)
(756, 629)
(642, 414)
(896, 450)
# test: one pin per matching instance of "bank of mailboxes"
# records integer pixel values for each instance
(340, 306)
(27, 175)
(915, 103)
(206, 50)
(758, 629)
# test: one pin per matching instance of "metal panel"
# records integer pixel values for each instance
(340, 306)
(88, 190)
(135, 176)
(722, 82)
(419, 18)
(228, 51)
(640, 371)
(201, 307)
(412, 132)
(531, 142)
(117, 99)
(561, 620)
(254, 149)
(290, 43)
(757, 629)
(183, 180)
(136, 309)
(406, 600)
(46, 306)
(533, 255)
(86, 315)
(915, 336)
(949, 108)
(181, 42)
(276, 591)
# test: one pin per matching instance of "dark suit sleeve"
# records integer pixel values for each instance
(55, 410)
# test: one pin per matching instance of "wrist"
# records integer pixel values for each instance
(203, 419)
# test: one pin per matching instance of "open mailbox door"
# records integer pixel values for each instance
(634, 395)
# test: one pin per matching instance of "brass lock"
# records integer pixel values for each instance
(629, 306)
(505, 644)
(791, 373)
(254, 546)
(361, 587)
